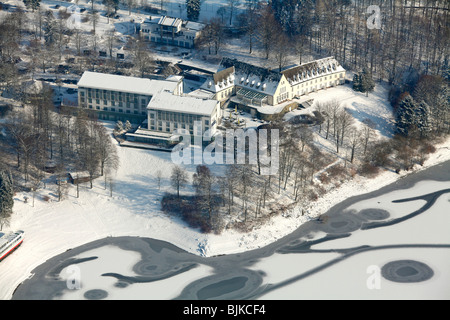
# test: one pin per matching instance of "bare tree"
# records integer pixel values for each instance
(354, 141)
(231, 7)
(268, 29)
(212, 36)
(141, 55)
(248, 21)
(204, 182)
(178, 178)
(280, 43)
(158, 178)
(368, 132)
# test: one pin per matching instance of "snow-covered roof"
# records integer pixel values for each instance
(220, 80)
(128, 84)
(185, 104)
(170, 22)
(253, 77)
(200, 93)
(152, 19)
(312, 70)
(194, 26)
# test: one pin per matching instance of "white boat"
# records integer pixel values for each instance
(10, 242)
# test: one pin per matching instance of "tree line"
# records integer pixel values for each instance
(339, 28)
(241, 197)
(42, 145)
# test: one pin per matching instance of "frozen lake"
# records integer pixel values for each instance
(393, 243)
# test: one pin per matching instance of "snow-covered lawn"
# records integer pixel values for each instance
(134, 209)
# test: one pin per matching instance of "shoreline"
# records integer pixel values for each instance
(235, 263)
(358, 186)
(280, 228)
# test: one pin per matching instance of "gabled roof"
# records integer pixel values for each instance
(253, 77)
(222, 75)
(312, 69)
(248, 69)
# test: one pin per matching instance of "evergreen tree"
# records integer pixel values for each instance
(49, 27)
(6, 197)
(356, 82)
(405, 115)
(422, 119)
(32, 4)
(411, 116)
(366, 82)
(193, 9)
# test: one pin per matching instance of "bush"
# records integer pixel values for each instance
(368, 169)
(324, 178)
(336, 171)
(185, 207)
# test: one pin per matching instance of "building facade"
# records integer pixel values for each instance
(257, 87)
(167, 113)
(171, 31)
(159, 105)
(116, 97)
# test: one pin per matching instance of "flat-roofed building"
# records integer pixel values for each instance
(116, 97)
(168, 112)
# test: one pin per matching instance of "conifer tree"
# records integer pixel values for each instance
(6, 197)
(193, 9)
(356, 82)
(366, 82)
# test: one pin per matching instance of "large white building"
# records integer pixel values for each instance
(256, 88)
(168, 112)
(117, 97)
(159, 105)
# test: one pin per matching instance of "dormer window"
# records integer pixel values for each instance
(264, 86)
(253, 83)
(242, 79)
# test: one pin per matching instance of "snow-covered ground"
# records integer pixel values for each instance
(134, 209)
